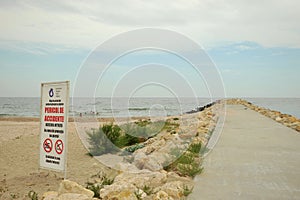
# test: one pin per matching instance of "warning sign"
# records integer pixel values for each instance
(54, 119)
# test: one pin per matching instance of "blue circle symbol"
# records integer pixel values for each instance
(51, 93)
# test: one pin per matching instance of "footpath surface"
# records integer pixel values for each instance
(255, 158)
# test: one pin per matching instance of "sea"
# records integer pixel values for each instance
(135, 107)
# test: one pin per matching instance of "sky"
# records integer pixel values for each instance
(255, 45)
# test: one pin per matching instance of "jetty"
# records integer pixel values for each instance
(254, 158)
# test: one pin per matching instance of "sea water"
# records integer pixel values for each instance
(123, 107)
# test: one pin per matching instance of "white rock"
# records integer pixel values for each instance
(67, 186)
(143, 178)
(141, 193)
(50, 195)
(152, 164)
(161, 195)
(174, 189)
(142, 161)
(127, 167)
(119, 191)
(73, 196)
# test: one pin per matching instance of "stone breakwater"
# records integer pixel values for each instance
(144, 175)
(285, 119)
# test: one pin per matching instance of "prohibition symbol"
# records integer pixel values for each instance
(59, 146)
(47, 145)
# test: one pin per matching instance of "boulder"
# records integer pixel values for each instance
(141, 194)
(142, 161)
(142, 179)
(174, 189)
(152, 164)
(119, 191)
(161, 195)
(73, 196)
(50, 195)
(292, 119)
(278, 119)
(172, 176)
(67, 186)
(126, 167)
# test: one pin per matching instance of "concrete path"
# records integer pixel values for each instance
(255, 158)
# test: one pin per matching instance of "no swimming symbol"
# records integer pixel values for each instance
(47, 145)
(59, 146)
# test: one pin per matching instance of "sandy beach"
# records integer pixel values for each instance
(19, 154)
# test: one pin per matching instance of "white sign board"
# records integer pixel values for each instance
(54, 122)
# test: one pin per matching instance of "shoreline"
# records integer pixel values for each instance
(288, 120)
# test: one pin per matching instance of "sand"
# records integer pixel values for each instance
(19, 160)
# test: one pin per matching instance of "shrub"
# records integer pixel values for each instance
(195, 148)
(107, 138)
(142, 129)
(187, 164)
(143, 122)
(102, 139)
(97, 186)
(33, 195)
(189, 169)
(186, 158)
(135, 147)
(112, 132)
(147, 189)
(187, 191)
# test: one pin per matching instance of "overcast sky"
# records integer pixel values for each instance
(254, 44)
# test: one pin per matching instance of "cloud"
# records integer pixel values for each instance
(75, 23)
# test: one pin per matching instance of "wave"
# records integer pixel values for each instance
(141, 109)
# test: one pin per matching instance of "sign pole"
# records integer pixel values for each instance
(66, 128)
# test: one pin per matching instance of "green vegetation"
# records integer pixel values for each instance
(187, 191)
(135, 147)
(147, 189)
(33, 195)
(170, 126)
(187, 164)
(138, 195)
(109, 138)
(97, 186)
(195, 148)
(102, 139)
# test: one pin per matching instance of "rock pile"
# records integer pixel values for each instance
(285, 119)
(69, 190)
(143, 175)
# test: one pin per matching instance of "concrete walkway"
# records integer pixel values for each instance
(255, 158)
